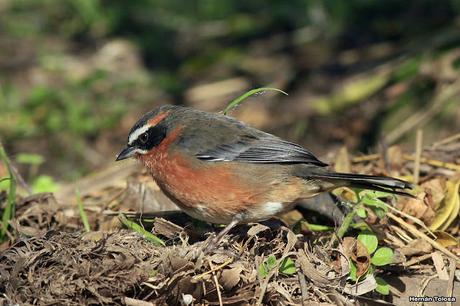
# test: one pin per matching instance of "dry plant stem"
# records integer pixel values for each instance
(263, 287)
(416, 260)
(425, 283)
(135, 302)
(365, 158)
(450, 285)
(402, 234)
(418, 155)
(303, 286)
(214, 269)
(446, 140)
(414, 231)
(413, 219)
(219, 295)
(435, 163)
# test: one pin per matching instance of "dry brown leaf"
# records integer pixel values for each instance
(346, 194)
(166, 228)
(311, 272)
(256, 229)
(363, 287)
(448, 209)
(291, 240)
(395, 157)
(357, 252)
(436, 188)
(416, 247)
(229, 278)
(445, 239)
(292, 217)
(417, 207)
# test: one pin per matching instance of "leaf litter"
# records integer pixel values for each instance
(54, 261)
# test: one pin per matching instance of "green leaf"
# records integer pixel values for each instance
(243, 97)
(383, 256)
(30, 159)
(361, 226)
(353, 271)
(44, 183)
(382, 286)
(369, 240)
(271, 262)
(381, 213)
(361, 212)
(83, 215)
(10, 208)
(375, 202)
(287, 266)
(262, 270)
(266, 266)
(5, 183)
(374, 194)
(140, 230)
(317, 227)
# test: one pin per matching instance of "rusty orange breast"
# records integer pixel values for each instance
(205, 190)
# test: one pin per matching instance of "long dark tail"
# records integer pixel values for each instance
(373, 182)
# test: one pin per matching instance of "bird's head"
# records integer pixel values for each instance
(148, 132)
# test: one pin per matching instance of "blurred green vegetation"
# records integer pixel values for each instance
(75, 73)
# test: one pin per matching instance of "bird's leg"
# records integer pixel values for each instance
(215, 241)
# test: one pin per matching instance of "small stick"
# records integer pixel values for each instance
(434, 163)
(416, 260)
(446, 140)
(413, 219)
(418, 155)
(414, 231)
(450, 286)
(424, 284)
(214, 269)
(365, 158)
(219, 295)
(303, 286)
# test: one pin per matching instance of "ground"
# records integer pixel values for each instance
(51, 258)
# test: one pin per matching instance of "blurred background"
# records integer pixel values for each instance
(76, 74)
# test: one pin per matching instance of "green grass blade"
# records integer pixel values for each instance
(5, 179)
(10, 208)
(140, 230)
(243, 97)
(83, 215)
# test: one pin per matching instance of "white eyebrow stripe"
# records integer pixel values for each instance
(134, 135)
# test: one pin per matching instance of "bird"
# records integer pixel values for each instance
(220, 170)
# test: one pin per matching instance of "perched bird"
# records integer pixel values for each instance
(220, 170)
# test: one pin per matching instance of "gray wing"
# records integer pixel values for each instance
(228, 139)
(264, 150)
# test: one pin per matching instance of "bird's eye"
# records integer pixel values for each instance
(144, 137)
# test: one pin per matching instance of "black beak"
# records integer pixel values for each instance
(126, 153)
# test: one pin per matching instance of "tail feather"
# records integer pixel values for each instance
(373, 182)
